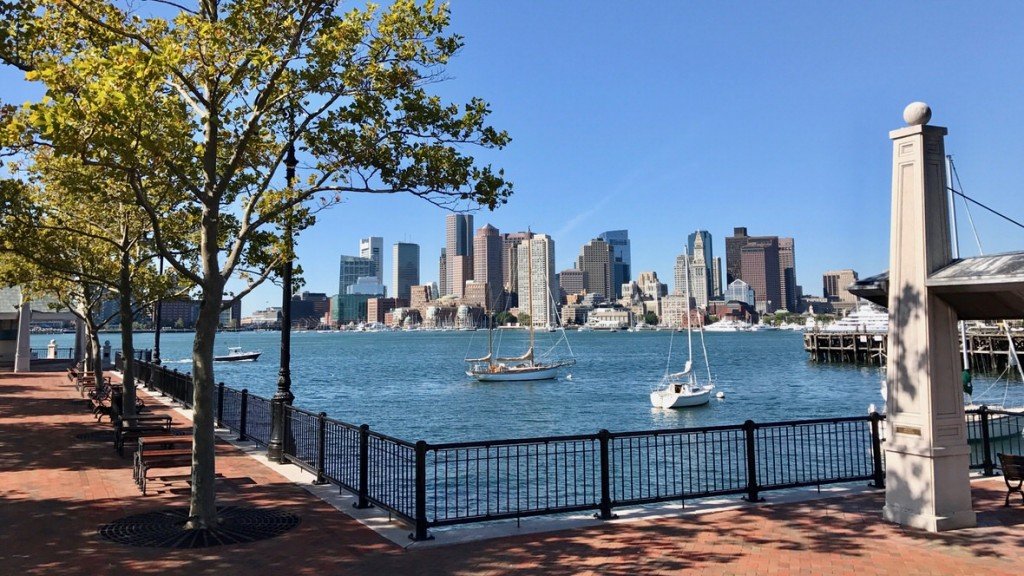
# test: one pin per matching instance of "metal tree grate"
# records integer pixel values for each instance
(166, 528)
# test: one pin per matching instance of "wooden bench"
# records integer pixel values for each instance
(1013, 471)
(160, 452)
(128, 429)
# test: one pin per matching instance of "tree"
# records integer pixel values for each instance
(211, 101)
(523, 319)
(503, 318)
(650, 318)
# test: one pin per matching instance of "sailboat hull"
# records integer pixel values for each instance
(669, 398)
(515, 374)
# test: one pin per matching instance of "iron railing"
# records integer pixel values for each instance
(461, 482)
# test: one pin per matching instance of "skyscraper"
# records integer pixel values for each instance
(733, 260)
(595, 260)
(373, 248)
(760, 269)
(787, 269)
(542, 283)
(510, 265)
(705, 238)
(442, 273)
(458, 242)
(700, 273)
(487, 265)
(621, 265)
(352, 268)
(405, 268)
(716, 277)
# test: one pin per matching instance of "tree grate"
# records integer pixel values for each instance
(166, 528)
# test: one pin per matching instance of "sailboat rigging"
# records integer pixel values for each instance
(683, 389)
(518, 368)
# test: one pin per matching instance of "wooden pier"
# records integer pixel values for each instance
(989, 350)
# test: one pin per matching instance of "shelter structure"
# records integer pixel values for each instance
(16, 317)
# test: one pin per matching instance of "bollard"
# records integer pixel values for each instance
(421, 493)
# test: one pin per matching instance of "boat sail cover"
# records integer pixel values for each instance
(523, 358)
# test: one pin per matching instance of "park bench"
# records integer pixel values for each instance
(1013, 471)
(129, 429)
(158, 453)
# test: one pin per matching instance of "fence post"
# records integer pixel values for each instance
(985, 441)
(751, 448)
(421, 493)
(220, 405)
(876, 451)
(321, 448)
(605, 507)
(364, 469)
(242, 414)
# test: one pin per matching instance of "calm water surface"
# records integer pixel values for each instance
(413, 384)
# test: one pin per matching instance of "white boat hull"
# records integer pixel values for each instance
(669, 398)
(516, 374)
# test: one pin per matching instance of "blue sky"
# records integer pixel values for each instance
(665, 117)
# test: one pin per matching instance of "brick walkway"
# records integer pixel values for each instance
(55, 490)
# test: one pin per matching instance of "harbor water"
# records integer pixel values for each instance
(413, 384)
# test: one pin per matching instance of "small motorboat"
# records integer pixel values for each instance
(236, 354)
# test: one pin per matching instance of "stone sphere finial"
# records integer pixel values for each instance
(917, 113)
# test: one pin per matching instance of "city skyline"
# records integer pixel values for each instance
(655, 139)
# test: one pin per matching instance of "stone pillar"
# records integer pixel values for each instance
(80, 342)
(23, 352)
(51, 349)
(927, 457)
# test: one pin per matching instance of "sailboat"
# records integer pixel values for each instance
(684, 389)
(519, 368)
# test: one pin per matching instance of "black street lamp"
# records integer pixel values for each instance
(284, 397)
(156, 320)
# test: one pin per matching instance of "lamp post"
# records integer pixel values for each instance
(284, 397)
(156, 320)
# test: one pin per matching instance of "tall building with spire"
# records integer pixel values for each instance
(621, 265)
(700, 272)
(373, 248)
(405, 268)
(458, 243)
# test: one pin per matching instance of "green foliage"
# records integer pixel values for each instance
(503, 318)
(650, 318)
(523, 319)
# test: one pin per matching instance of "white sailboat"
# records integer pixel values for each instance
(519, 368)
(684, 389)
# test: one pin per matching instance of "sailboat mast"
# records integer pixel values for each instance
(956, 252)
(686, 281)
(529, 290)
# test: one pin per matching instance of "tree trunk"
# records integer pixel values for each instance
(97, 354)
(127, 348)
(203, 505)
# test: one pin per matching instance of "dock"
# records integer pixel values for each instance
(988, 350)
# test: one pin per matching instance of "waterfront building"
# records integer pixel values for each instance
(353, 268)
(621, 265)
(610, 318)
(405, 268)
(673, 312)
(650, 287)
(787, 269)
(510, 266)
(760, 269)
(595, 260)
(367, 285)
(266, 318)
(458, 242)
(349, 308)
(740, 291)
(716, 277)
(487, 265)
(318, 301)
(630, 292)
(232, 317)
(179, 313)
(442, 271)
(373, 248)
(835, 284)
(419, 296)
(543, 280)
(574, 314)
(572, 281)
(733, 310)
(378, 308)
(477, 293)
(733, 261)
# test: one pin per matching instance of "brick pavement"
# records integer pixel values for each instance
(55, 490)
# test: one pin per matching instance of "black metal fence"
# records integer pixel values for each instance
(462, 482)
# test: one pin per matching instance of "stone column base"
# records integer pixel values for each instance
(929, 522)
